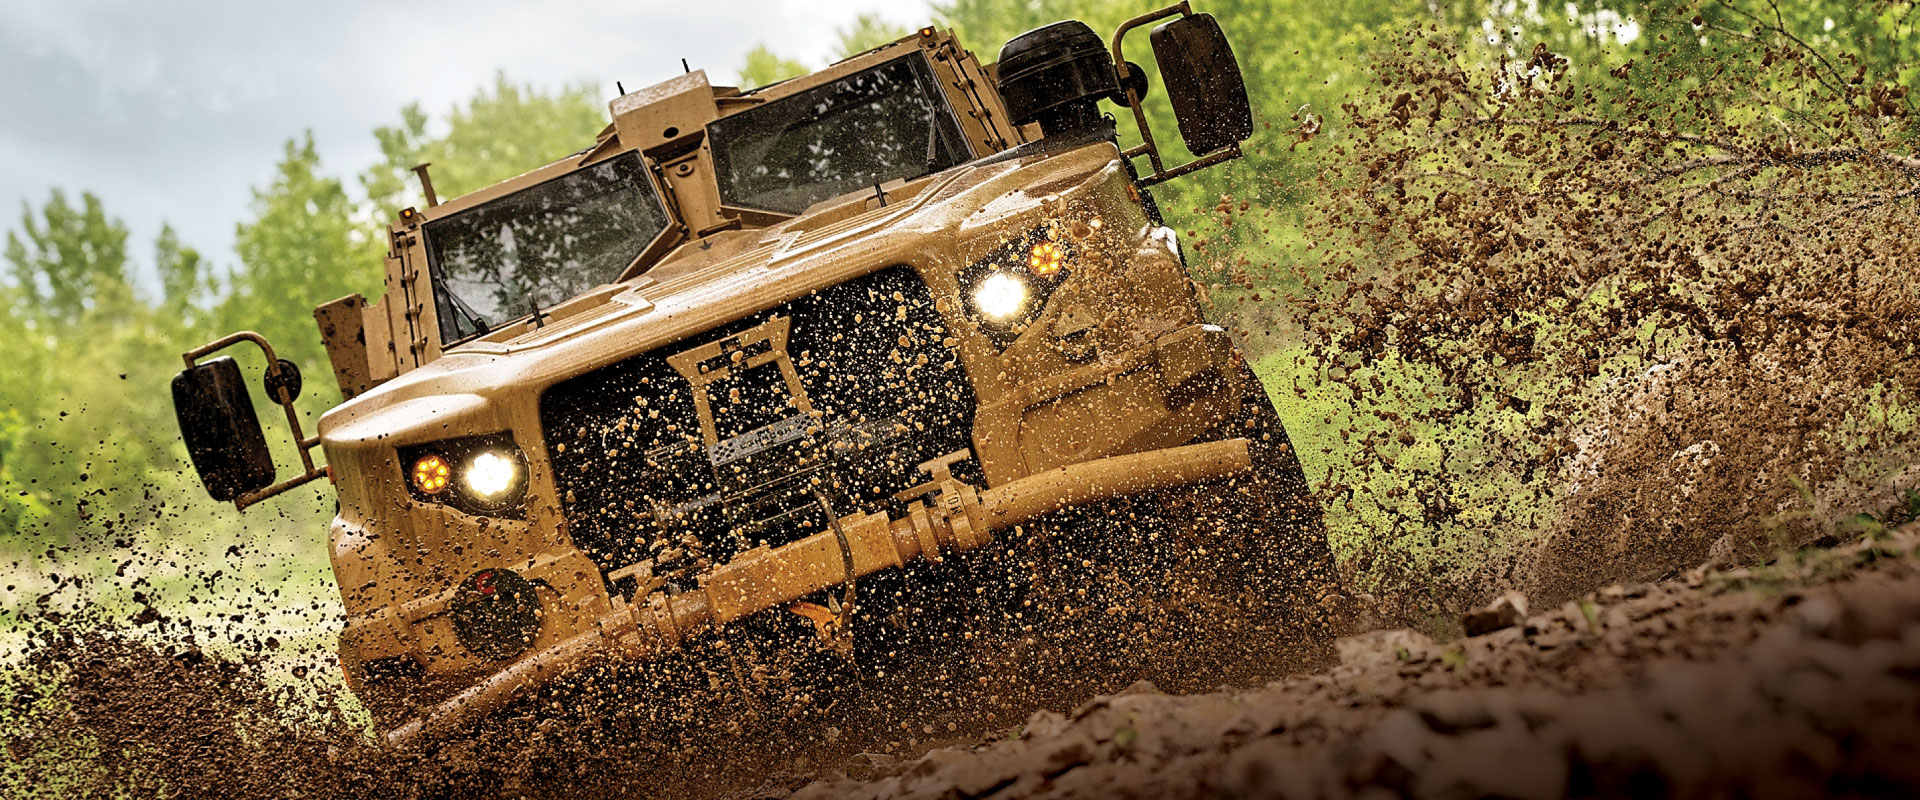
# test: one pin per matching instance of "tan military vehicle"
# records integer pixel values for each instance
(747, 349)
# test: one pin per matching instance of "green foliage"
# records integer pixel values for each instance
(70, 261)
(1877, 525)
(1553, 271)
(185, 277)
(302, 248)
(20, 508)
(866, 32)
(764, 67)
(82, 438)
(498, 134)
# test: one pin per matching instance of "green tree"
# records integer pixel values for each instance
(19, 505)
(302, 248)
(186, 280)
(67, 260)
(763, 67)
(499, 133)
(866, 32)
(85, 425)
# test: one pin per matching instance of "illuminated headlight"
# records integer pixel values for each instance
(1009, 288)
(490, 475)
(477, 474)
(1001, 297)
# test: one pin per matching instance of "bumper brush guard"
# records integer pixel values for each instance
(960, 518)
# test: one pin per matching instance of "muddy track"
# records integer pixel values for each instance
(1792, 680)
(1795, 678)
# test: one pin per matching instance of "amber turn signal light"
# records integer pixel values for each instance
(431, 474)
(1046, 258)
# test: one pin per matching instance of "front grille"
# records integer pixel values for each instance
(639, 480)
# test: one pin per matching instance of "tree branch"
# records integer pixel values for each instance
(1779, 27)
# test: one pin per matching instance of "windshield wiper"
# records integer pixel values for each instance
(933, 137)
(480, 326)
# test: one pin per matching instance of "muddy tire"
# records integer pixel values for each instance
(1282, 531)
(1225, 582)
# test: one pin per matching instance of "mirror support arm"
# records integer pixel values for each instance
(1220, 156)
(282, 396)
(1147, 146)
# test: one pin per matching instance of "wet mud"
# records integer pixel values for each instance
(1802, 680)
(101, 708)
(1520, 346)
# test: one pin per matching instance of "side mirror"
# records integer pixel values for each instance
(1204, 83)
(223, 436)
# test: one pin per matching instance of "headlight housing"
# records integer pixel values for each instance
(484, 475)
(496, 614)
(1005, 291)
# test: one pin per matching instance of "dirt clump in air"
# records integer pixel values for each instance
(1560, 326)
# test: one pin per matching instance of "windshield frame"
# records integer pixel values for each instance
(445, 302)
(952, 130)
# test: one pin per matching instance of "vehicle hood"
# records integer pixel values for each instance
(481, 385)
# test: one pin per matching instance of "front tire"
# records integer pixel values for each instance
(1228, 581)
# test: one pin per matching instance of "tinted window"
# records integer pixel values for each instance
(540, 245)
(885, 123)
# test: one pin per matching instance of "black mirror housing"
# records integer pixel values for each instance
(1204, 83)
(222, 433)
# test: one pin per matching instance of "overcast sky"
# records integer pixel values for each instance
(175, 110)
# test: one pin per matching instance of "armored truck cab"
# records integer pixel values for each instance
(746, 348)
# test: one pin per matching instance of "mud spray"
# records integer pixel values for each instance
(1542, 327)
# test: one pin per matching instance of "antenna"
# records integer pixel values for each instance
(426, 184)
(683, 65)
(618, 88)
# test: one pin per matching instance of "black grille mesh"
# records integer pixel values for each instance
(638, 482)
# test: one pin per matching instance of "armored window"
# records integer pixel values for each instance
(885, 123)
(538, 246)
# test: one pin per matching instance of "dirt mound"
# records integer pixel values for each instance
(1798, 681)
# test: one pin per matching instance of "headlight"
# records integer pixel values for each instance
(490, 475)
(1001, 297)
(431, 473)
(1006, 290)
(477, 474)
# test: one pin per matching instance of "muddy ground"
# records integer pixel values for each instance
(1796, 679)
(1793, 676)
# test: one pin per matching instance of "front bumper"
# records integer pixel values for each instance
(959, 517)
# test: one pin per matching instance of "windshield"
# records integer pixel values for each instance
(540, 245)
(889, 122)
